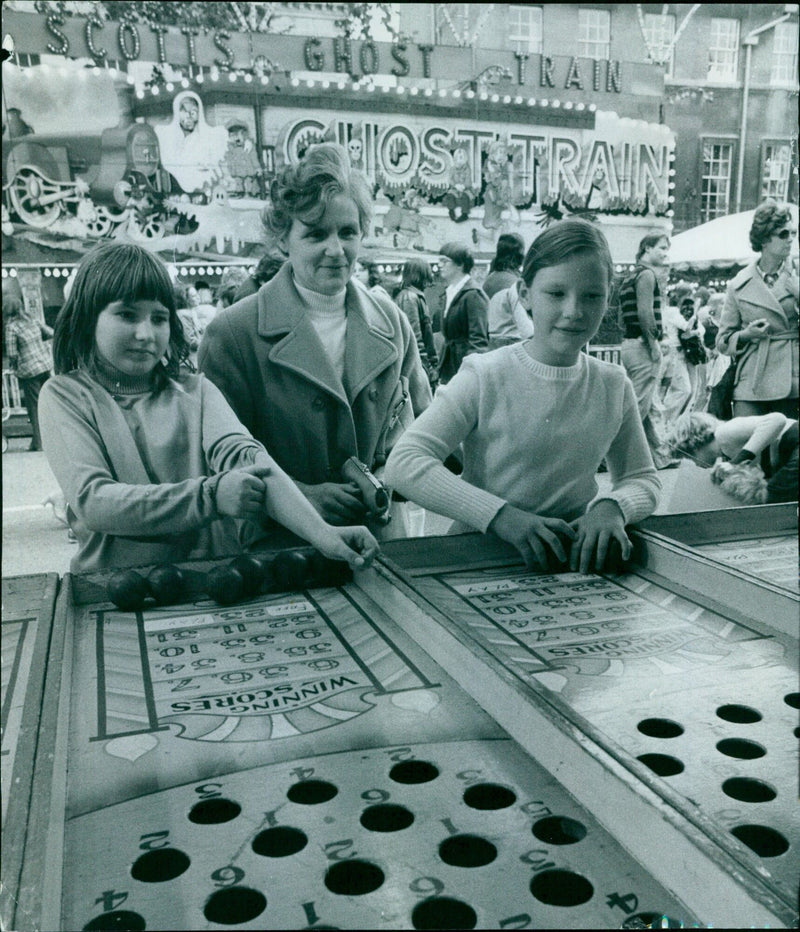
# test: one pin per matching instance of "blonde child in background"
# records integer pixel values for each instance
(152, 461)
(536, 419)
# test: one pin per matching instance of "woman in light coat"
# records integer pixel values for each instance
(314, 364)
(759, 324)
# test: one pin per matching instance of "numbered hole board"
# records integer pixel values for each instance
(298, 761)
(701, 706)
(27, 615)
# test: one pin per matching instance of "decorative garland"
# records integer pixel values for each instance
(665, 51)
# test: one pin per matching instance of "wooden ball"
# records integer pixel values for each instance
(253, 572)
(290, 570)
(225, 585)
(323, 571)
(167, 584)
(128, 590)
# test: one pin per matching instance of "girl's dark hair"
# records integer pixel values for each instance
(560, 242)
(647, 242)
(509, 254)
(416, 274)
(458, 254)
(109, 273)
(304, 190)
(768, 219)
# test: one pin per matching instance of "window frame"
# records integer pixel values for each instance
(732, 73)
(652, 18)
(601, 16)
(763, 158)
(780, 55)
(706, 211)
(535, 45)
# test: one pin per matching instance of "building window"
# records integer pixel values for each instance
(659, 30)
(594, 34)
(525, 29)
(723, 50)
(715, 193)
(784, 55)
(776, 167)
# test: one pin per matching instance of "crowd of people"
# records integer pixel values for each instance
(182, 425)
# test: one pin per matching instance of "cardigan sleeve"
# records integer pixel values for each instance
(415, 466)
(76, 453)
(635, 485)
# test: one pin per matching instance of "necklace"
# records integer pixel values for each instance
(770, 277)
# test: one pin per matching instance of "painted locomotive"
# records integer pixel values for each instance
(92, 182)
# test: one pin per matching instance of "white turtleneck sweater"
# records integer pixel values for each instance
(328, 316)
(532, 435)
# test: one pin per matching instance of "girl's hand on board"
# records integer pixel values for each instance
(595, 531)
(532, 534)
(356, 545)
(242, 493)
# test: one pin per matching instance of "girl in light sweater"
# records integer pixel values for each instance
(536, 419)
(152, 460)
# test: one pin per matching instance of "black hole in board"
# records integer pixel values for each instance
(792, 699)
(120, 920)
(561, 888)
(558, 830)
(312, 792)
(489, 796)
(214, 811)
(386, 818)
(279, 842)
(467, 851)
(766, 842)
(234, 905)
(740, 714)
(740, 748)
(354, 877)
(651, 921)
(662, 765)
(748, 790)
(660, 728)
(413, 771)
(797, 732)
(443, 912)
(160, 865)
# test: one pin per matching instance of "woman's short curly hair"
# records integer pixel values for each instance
(691, 432)
(768, 219)
(304, 190)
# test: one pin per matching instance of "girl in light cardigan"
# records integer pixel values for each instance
(153, 462)
(536, 419)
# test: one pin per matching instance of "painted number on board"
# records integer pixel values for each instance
(227, 876)
(153, 840)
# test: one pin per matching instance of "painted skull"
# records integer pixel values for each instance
(355, 147)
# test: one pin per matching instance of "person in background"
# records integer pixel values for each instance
(204, 293)
(676, 383)
(367, 273)
(640, 297)
(759, 324)
(317, 367)
(536, 419)
(505, 266)
(29, 358)
(465, 324)
(767, 443)
(232, 279)
(417, 276)
(195, 315)
(509, 322)
(151, 459)
(267, 268)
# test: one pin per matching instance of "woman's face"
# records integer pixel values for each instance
(779, 245)
(323, 252)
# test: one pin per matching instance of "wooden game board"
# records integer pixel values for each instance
(363, 757)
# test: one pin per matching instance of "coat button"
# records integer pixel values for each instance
(318, 402)
(373, 394)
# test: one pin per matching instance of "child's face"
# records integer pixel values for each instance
(133, 335)
(567, 302)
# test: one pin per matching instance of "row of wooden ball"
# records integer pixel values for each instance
(244, 577)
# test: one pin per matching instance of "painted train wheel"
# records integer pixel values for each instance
(101, 223)
(29, 192)
(146, 229)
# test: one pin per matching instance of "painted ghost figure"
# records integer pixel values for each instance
(191, 149)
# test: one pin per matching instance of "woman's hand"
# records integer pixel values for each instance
(755, 331)
(530, 534)
(595, 530)
(356, 545)
(337, 503)
(242, 493)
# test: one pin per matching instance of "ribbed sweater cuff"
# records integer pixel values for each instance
(461, 501)
(635, 503)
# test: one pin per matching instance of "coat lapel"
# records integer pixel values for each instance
(754, 291)
(370, 334)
